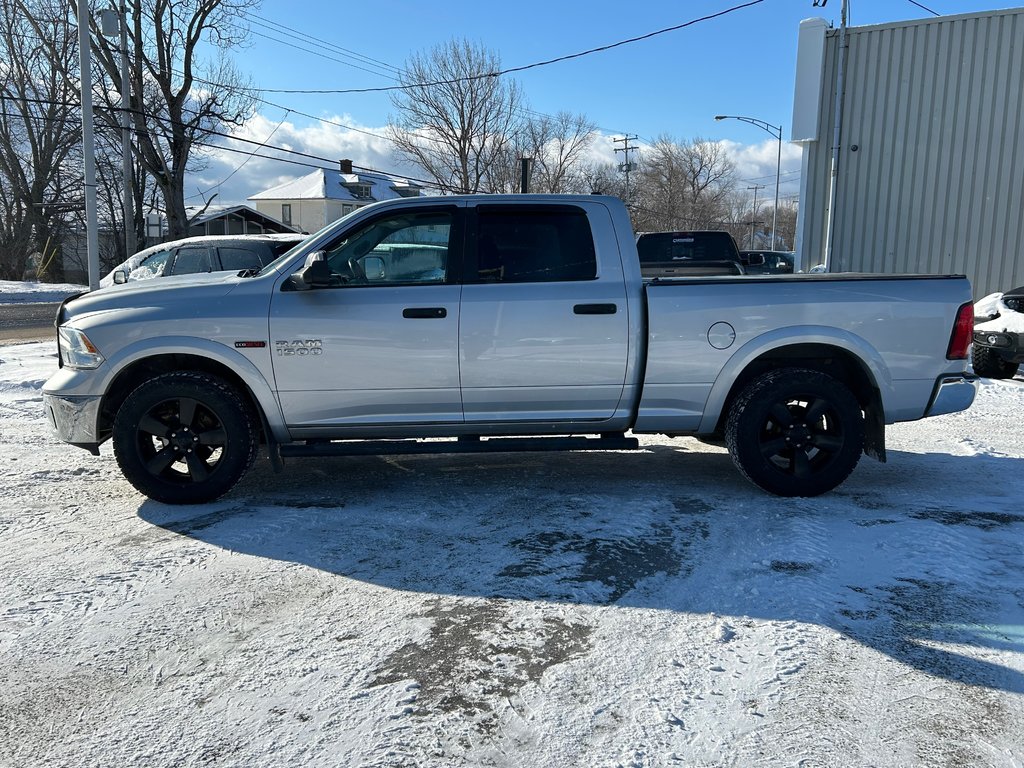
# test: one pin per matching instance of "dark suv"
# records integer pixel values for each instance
(999, 336)
(688, 254)
(213, 253)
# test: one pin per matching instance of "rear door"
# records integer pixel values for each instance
(544, 328)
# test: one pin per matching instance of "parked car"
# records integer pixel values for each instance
(207, 253)
(500, 323)
(688, 254)
(998, 348)
(768, 262)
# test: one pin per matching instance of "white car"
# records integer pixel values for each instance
(208, 253)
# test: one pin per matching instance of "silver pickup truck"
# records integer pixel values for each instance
(503, 323)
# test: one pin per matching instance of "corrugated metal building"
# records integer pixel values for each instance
(930, 172)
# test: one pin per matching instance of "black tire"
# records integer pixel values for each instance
(185, 437)
(987, 362)
(795, 432)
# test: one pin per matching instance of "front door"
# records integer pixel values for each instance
(379, 346)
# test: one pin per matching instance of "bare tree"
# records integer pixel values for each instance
(682, 185)
(559, 144)
(455, 117)
(556, 145)
(178, 100)
(40, 136)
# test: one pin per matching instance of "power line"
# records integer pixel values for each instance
(923, 7)
(283, 29)
(524, 67)
(210, 132)
(225, 180)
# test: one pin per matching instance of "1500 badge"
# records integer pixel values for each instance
(300, 347)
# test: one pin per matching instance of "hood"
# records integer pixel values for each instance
(191, 291)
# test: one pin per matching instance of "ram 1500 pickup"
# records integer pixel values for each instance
(503, 323)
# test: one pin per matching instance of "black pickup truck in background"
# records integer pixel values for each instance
(688, 254)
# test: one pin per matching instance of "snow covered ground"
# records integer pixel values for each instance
(32, 291)
(618, 609)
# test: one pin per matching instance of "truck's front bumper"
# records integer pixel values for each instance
(75, 418)
(952, 394)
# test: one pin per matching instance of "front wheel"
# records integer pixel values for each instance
(795, 432)
(184, 437)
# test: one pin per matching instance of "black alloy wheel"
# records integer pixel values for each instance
(795, 432)
(184, 437)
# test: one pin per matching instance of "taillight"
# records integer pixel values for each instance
(963, 328)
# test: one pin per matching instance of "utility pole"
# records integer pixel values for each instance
(116, 23)
(626, 166)
(753, 213)
(525, 166)
(130, 243)
(92, 243)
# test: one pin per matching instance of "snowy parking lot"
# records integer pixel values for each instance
(610, 609)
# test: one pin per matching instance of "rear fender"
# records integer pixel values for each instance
(762, 345)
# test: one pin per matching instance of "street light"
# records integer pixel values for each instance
(776, 131)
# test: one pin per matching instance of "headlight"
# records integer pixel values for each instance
(76, 351)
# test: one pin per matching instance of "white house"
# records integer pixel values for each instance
(318, 198)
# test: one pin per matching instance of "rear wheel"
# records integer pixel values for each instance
(795, 432)
(987, 362)
(184, 437)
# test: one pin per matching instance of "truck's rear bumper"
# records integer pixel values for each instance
(74, 418)
(952, 394)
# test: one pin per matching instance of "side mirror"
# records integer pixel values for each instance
(120, 277)
(755, 260)
(315, 273)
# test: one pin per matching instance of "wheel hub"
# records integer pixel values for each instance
(798, 435)
(183, 440)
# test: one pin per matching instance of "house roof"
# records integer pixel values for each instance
(243, 211)
(323, 184)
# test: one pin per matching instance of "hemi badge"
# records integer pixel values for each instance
(250, 344)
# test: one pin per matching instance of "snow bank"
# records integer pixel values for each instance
(30, 291)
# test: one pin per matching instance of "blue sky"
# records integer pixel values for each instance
(671, 84)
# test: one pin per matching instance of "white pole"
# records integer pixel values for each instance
(778, 173)
(88, 151)
(837, 119)
(130, 244)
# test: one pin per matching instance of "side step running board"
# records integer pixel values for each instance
(615, 442)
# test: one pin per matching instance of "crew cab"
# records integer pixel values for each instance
(502, 323)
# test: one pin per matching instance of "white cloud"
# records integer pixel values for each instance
(756, 163)
(234, 175)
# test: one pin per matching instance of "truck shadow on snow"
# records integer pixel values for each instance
(920, 559)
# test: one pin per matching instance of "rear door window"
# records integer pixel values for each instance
(524, 244)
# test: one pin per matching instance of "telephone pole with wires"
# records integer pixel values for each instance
(626, 166)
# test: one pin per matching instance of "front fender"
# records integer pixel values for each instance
(216, 351)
